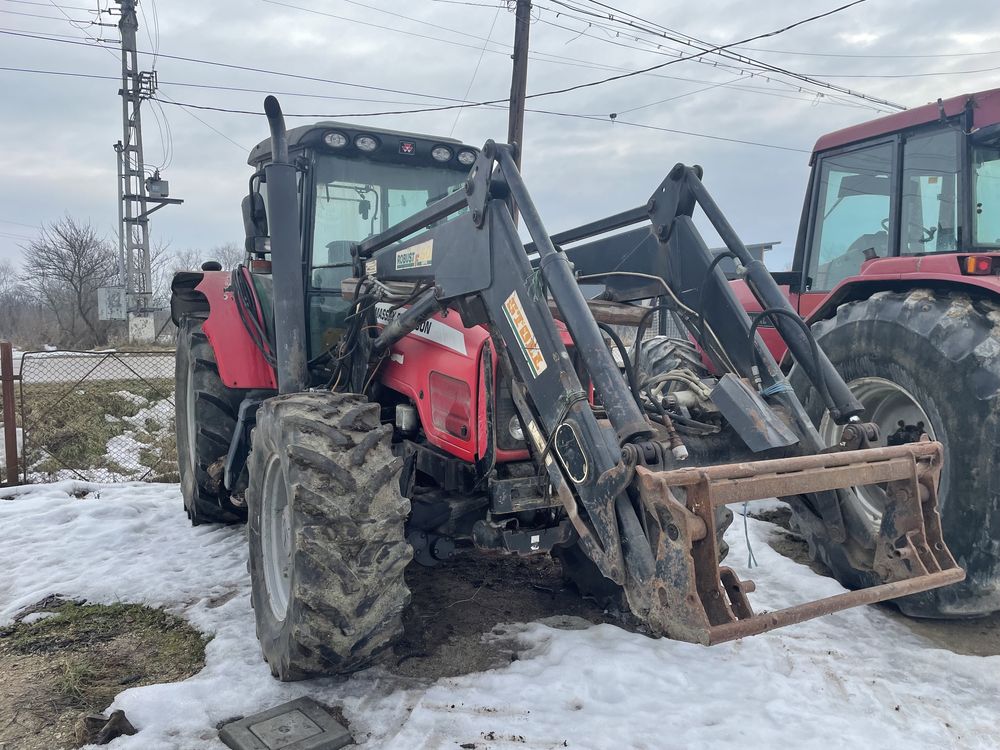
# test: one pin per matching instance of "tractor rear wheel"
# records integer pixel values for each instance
(924, 361)
(205, 418)
(326, 530)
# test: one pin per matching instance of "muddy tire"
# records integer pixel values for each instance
(924, 354)
(326, 531)
(205, 418)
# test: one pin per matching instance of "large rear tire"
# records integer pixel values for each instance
(327, 541)
(205, 418)
(924, 356)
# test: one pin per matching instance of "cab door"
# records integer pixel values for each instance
(852, 217)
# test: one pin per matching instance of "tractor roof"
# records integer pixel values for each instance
(986, 111)
(312, 134)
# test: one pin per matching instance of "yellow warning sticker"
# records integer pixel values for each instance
(526, 337)
(415, 256)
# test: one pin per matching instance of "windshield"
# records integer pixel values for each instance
(355, 199)
(986, 194)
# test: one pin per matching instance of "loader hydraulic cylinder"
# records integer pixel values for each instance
(843, 404)
(556, 270)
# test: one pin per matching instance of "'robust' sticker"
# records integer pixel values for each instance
(525, 336)
(415, 256)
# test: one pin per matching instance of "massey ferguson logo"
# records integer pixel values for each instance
(526, 337)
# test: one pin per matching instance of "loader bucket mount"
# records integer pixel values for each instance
(690, 597)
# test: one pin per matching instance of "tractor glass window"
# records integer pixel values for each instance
(929, 210)
(355, 199)
(852, 215)
(986, 198)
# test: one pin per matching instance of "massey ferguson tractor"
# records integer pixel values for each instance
(395, 377)
(897, 270)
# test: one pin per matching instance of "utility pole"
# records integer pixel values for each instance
(135, 192)
(519, 80)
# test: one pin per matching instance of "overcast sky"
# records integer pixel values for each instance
(58, 131)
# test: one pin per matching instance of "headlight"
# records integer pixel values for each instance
(441, 153)
(467, 157)
(366, 142)
(333, 139)
(514, 428)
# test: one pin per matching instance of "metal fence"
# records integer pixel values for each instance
(98, 416)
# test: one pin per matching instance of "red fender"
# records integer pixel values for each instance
(241, 365)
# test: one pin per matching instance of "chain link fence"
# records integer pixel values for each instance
(98, 416)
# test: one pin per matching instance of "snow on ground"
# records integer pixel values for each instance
(855, 679)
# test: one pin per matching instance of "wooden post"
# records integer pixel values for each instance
(519, 82)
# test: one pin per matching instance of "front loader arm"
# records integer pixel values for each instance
(648, 530)
(476, 262)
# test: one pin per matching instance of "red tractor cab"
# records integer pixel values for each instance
(897, 269)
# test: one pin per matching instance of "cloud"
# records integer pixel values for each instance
(59, 131)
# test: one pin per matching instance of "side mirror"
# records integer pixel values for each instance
(255, 224)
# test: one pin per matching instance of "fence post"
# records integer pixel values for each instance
(9, 417)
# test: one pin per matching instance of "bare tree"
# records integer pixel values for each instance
(65, 267)
(229, 254)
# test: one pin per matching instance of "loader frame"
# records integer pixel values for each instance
(648, 526)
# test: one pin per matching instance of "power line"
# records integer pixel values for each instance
(215, 130)
(19, 224)
(859, 56)
(48, 18)
(380, 27)
(575, 115)
(475, 72)
(725, 51)
(64, 7)
(907, 75)
(62, 38)
(332, 97)
(245, 68)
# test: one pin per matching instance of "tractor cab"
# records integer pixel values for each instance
(924, 183)
(352, 184)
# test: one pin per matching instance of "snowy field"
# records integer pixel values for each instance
(856, 679)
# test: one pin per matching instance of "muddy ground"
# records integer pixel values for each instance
(454, 605)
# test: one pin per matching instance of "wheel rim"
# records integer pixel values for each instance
(886, 404)
(276, 539)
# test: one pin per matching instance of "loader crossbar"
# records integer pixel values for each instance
(910, 556)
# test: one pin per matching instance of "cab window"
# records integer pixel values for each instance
(852, 213)
(986, 195)
(929, 211)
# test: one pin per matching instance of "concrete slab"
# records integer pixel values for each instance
(302, 724)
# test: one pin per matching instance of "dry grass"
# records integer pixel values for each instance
(77, 660)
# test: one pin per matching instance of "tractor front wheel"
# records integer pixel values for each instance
(923, 361)
(326, 530)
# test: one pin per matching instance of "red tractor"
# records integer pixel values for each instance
(395, 376)
(897, 270)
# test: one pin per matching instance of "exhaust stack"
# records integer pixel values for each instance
(286, 259)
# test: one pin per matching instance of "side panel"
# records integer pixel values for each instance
(241, 365)
(443, 347)
(434, 366)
